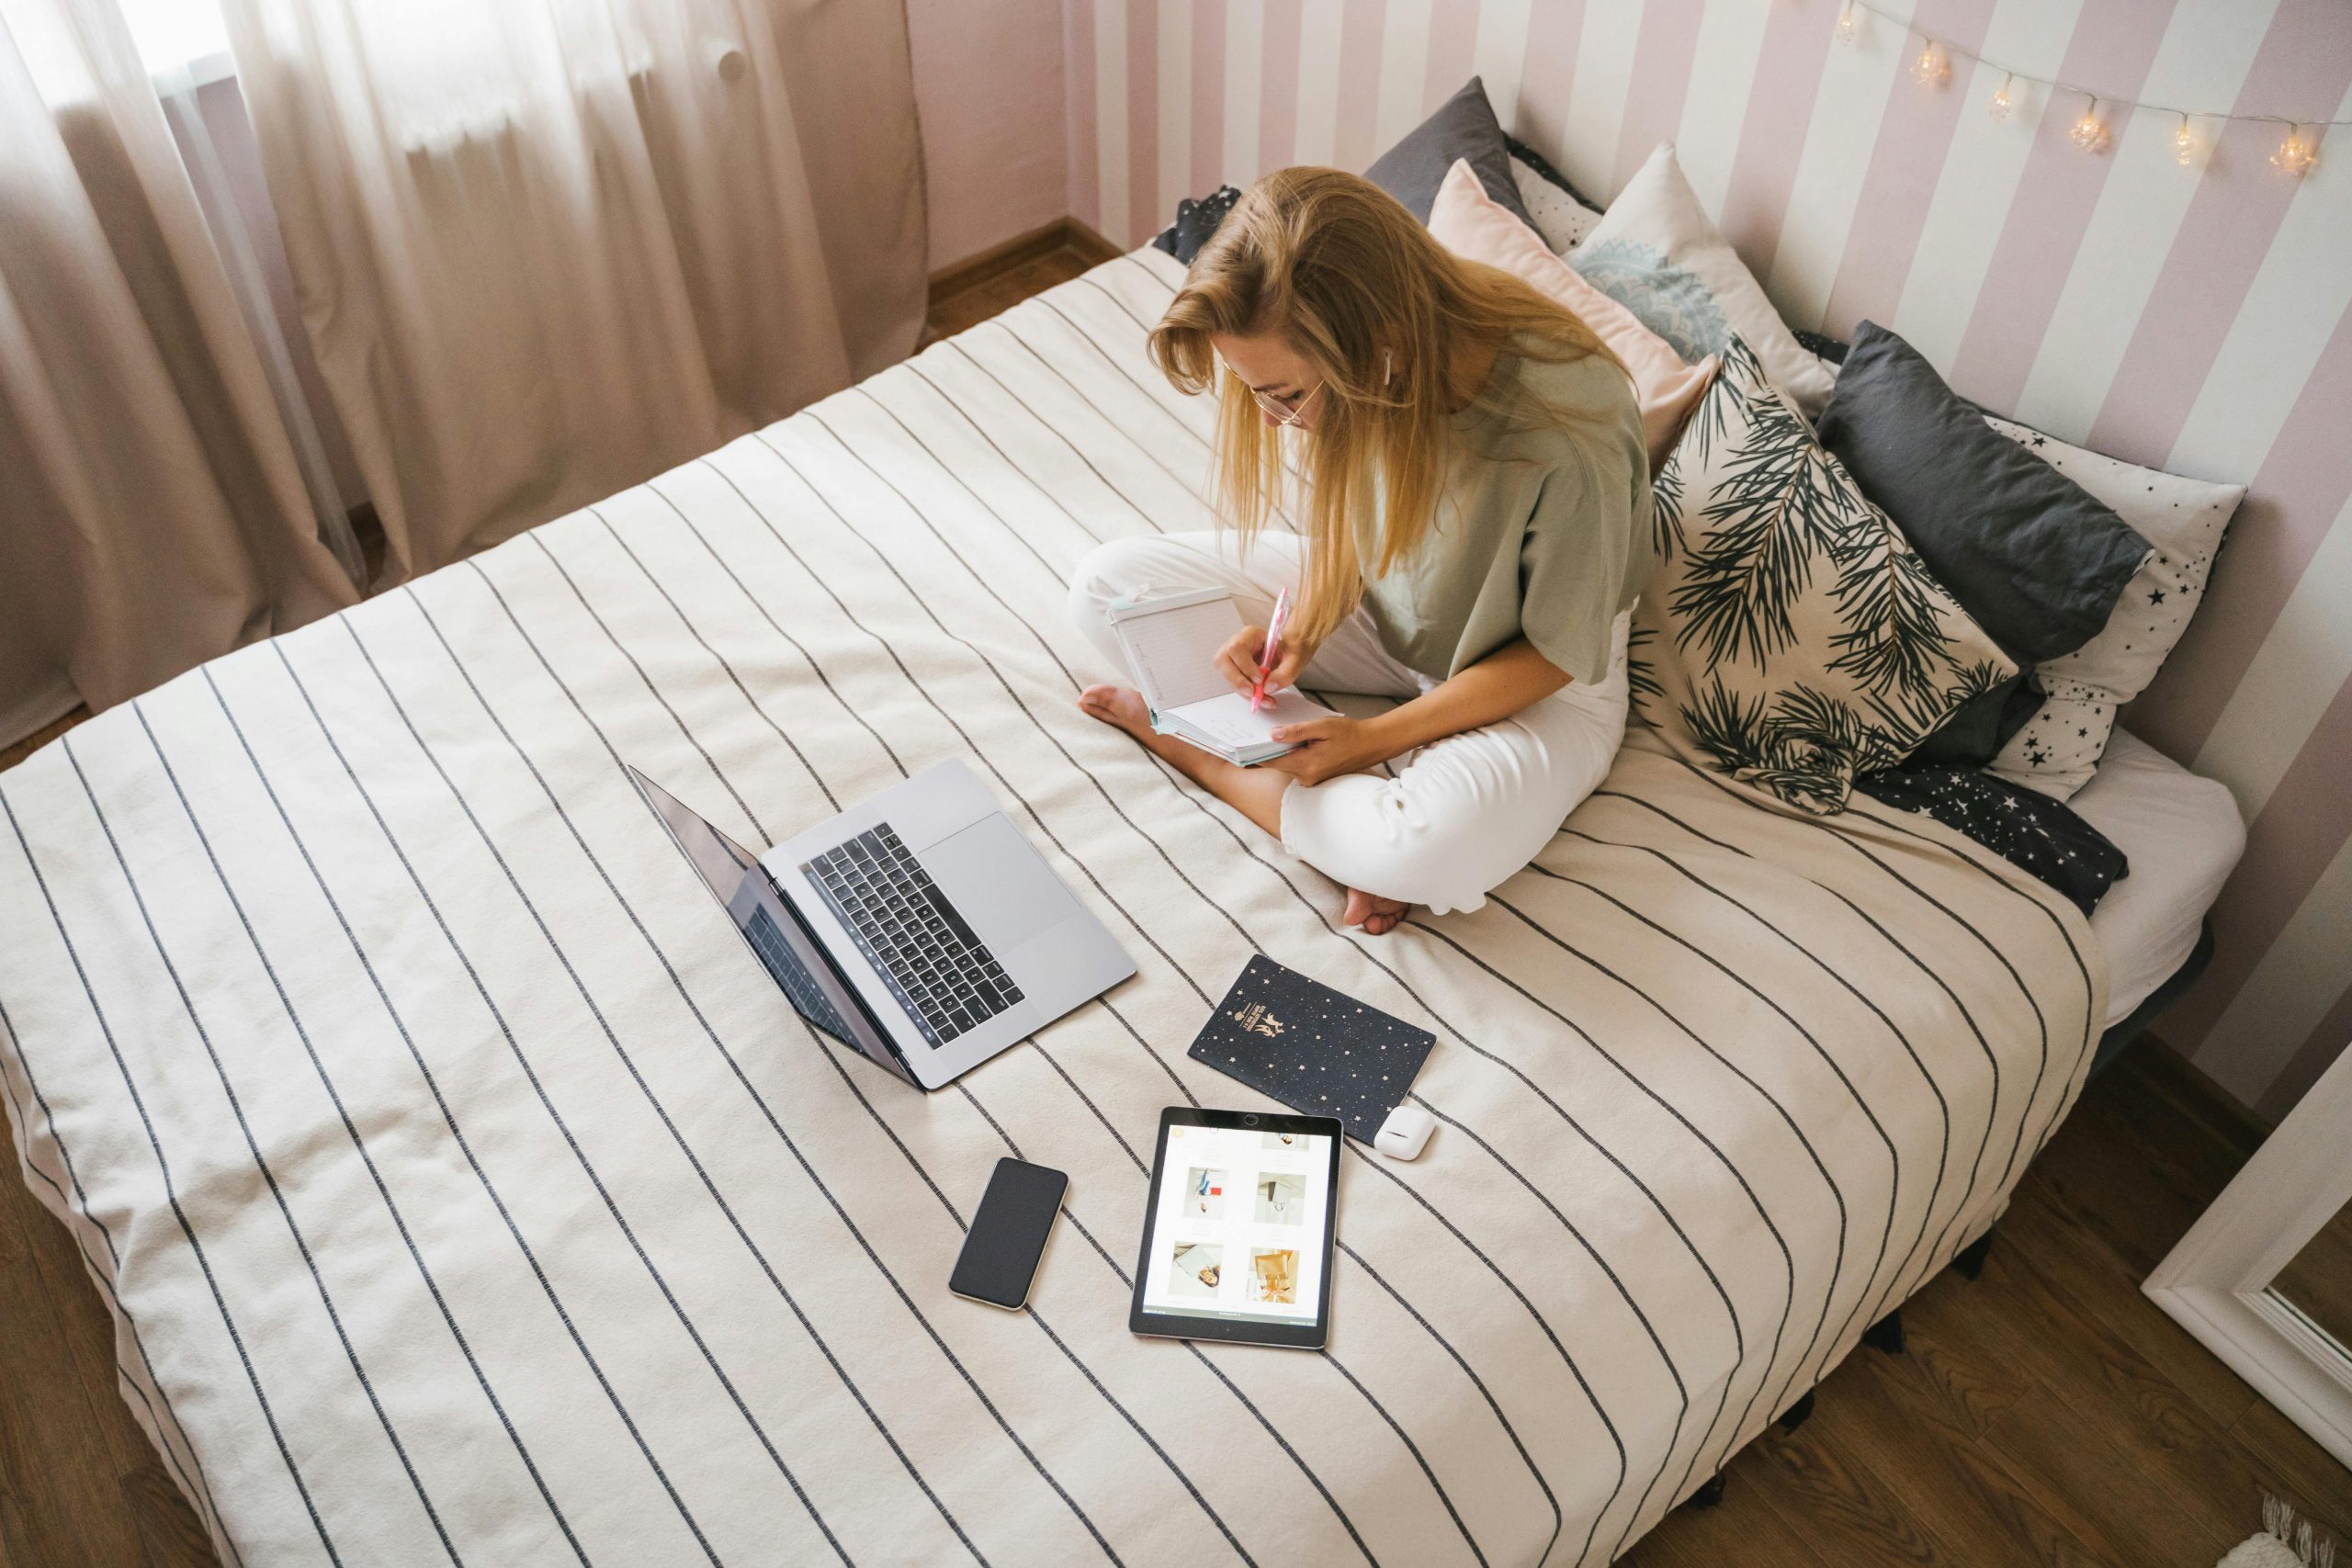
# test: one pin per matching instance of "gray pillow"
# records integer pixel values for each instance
(1464, 127)
(2031, 556)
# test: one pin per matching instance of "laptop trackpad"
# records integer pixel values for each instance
(999, 882)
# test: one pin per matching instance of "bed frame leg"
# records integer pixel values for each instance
(1796, 1415)
(1886, 1334)
(1709, 1496)
(1971, 1260)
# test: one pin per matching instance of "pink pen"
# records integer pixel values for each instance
(1273, 649)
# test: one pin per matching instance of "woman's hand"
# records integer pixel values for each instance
(1238, 661)
(1328, 748)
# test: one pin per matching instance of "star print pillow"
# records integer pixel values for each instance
(2183, 521)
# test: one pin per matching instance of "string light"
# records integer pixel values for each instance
(2298, 154)
(2090, 132)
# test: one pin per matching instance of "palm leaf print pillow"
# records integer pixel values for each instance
(1789, 637)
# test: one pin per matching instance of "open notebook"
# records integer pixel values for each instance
(1171, 644)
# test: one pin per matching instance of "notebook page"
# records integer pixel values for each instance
(1227, 718)
(1174, 651)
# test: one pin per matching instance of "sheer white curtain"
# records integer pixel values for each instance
(151, 512)
(548, 248)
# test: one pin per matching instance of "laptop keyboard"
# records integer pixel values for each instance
(768, 943)
(934, 963)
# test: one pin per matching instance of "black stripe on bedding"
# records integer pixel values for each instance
(628, 1232)
(1036, 1317)
(448, 1116)
(2007, 876)
(78, 1206)
(1788, 1262)
(1967, 1193)
(1943, 1108)
(933, 702)
(171, 1189)
(342, 1114)
(1037, 635)
(1836, 1190)
(978, 751)
(1895, 1164)
(1023, 707)
(1214, 903)
(956, 346)
(1993, 1117)
(914, 368)
(881, 1268)
(1943, 1246)
(692, 630)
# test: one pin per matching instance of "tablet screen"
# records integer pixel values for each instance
(1240, 1221)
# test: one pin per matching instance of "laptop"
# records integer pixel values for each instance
(919, 927)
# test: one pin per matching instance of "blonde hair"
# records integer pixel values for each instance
(1346, 275)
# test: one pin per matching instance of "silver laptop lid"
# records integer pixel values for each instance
(777, 933)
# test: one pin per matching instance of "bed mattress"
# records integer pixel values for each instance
(2182, 835)
(463, 1190)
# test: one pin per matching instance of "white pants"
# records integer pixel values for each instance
(1441, 825)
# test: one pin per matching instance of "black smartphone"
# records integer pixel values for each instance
(1008, 1236)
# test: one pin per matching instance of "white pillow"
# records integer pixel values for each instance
(2184, 519)
(1561, 218)
(1657, 253)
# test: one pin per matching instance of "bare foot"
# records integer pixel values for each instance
(1256, 792)
(1120, 707)
(1378, 917)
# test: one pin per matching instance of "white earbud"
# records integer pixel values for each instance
(1388, 366)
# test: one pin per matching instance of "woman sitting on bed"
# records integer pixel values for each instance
(1475, 524)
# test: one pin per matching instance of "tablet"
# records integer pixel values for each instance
(1237, 1228)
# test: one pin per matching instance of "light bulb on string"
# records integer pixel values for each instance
(1999, 106)
(1931, 69)
(1846, 22)
(2184, 144)
(2298, 153)
(2090, 132)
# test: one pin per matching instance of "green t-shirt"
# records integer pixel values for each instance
(1542, 530)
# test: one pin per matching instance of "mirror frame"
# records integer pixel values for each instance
(2215, 1281)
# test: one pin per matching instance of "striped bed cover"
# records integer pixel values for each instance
(463, 1190)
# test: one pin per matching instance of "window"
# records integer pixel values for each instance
(174, 35)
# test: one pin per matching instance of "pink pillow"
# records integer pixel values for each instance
(1477, 227)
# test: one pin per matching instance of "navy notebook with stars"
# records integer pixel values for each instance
(1315, 1049)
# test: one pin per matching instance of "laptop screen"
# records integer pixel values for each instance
(769, 927)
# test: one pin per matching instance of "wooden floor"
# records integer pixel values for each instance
(970, 292)
(2044, 1414)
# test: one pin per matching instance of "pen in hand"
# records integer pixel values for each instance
(1273, 650)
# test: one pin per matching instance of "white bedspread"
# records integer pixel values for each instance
(464, 1190)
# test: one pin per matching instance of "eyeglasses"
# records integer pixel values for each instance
(1281, 409)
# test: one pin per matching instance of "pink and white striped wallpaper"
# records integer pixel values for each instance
(2192, 319)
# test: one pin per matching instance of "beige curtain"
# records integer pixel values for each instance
(152, 513)
(548, 248)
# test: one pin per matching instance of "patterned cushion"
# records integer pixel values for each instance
(1789, 638)
(1657, 253)
(2184, 519)
(1560, 217)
